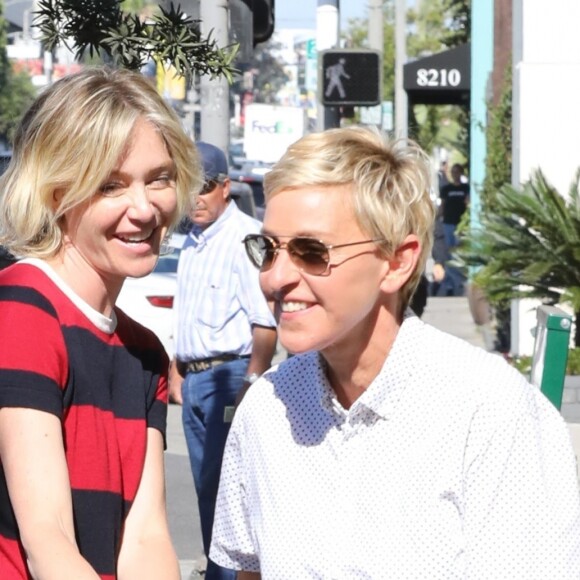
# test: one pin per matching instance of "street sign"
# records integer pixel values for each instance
(349, 77)
(371, 115)
(388, 124)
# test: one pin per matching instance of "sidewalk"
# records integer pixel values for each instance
(451, 314)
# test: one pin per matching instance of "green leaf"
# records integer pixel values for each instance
(101, 25)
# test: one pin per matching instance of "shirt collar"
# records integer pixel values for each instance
(104, 323)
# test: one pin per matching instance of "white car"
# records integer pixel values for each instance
(149, 300)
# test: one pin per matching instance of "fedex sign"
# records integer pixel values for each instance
(270, 129)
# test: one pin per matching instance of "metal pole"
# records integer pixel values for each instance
(376, 25)
(376, 39)
(327, 35)
(215, 94)
(401, 103)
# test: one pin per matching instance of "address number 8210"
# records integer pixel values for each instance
(432, 77)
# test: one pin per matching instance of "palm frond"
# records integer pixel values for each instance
(530, 245)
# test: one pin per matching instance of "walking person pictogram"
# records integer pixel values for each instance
(334, 73)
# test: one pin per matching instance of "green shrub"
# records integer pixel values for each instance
(573, 367)
(524, 363)
(529, 247)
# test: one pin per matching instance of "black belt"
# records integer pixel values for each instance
(197, 366)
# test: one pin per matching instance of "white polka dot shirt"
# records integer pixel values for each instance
(450, 465)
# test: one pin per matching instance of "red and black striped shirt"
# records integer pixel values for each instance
(106, 387)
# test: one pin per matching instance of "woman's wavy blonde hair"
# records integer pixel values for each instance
(391, 184)
(70, 141)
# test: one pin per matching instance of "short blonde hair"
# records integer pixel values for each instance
(70, 141)
(391, 184)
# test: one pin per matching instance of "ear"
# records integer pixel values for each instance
(226, 188)
(401, 265)
(57, 196)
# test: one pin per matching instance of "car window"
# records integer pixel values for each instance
(237, 149)
(167, 264)
(5, 158)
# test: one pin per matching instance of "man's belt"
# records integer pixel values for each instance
(197, 366)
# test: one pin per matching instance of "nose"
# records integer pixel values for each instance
(140, 207)
(283, 273)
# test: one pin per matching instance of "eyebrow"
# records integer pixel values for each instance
(303, 234)
(169, 167)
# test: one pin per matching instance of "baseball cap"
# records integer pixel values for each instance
(213, 161)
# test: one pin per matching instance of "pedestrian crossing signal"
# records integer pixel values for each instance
(350, 77)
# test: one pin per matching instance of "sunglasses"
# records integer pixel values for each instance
(311, 256)
(209, 186)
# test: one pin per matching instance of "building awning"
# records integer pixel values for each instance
(440, 79)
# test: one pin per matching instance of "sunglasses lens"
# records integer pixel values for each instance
(208, 186)
(309, 255)
(260, 250)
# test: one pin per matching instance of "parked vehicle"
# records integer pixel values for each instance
(5, 157)
(252, 174)
(149, 300)
(236, 154)
(243, 194)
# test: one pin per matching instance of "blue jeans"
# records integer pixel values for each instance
(205, 397)
(453, 284)
(449, 232)
(454, 281)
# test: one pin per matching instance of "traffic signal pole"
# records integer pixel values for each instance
(215, 104)
(327, 35)
(401, 102)
(376, 30)
(376, 25)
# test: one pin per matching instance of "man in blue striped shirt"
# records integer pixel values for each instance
(225, 332)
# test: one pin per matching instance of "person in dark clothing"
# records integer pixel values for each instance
(440, 253)
(454, 201)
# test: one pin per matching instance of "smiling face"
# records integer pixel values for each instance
(336, 310)
(117, 233)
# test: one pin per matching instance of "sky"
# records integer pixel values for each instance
(302, 13)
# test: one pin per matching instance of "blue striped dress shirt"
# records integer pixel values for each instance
(218, 296)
